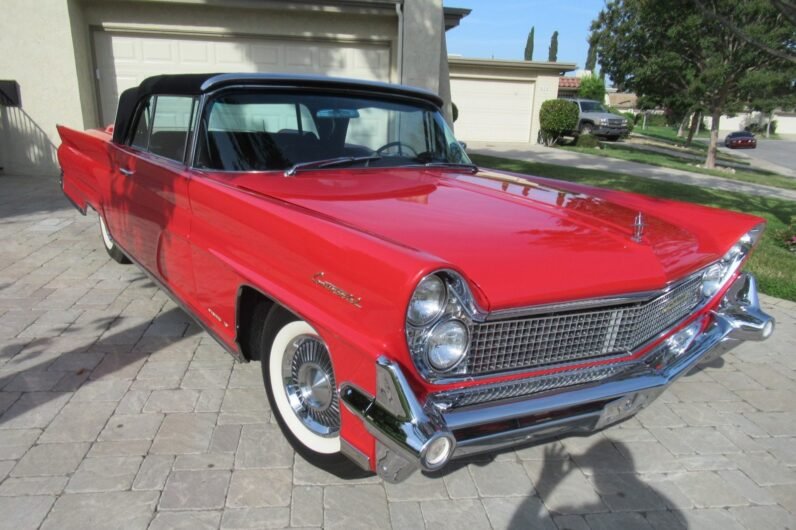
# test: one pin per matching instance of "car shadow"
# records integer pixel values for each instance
(127, 346)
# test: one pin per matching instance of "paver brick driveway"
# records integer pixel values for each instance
(116, 411)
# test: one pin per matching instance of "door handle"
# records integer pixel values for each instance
(126, 172)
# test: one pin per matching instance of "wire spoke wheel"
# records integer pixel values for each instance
(309, 385)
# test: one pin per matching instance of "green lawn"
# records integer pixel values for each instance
(669, 135)
(774, 266)
(675, 162)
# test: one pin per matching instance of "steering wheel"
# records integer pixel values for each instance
(399, 145)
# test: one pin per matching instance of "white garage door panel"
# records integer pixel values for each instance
(493, 110)
(124, 59)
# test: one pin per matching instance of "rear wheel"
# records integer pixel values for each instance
(110, 247)
(301, 387)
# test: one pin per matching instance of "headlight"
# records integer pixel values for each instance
(447, 344)
(603, 121)
(427, 302)
(438, 322)
(715, 276)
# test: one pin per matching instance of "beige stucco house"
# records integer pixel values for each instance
(72, 58)
(499, 101)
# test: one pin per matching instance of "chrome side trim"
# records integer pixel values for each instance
(589, 303)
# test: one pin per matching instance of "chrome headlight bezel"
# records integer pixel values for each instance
(716, 276)
(459, 306)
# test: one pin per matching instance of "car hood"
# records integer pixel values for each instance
(519, 241)
(603, 116)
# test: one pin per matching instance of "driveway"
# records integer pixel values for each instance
(116, 411)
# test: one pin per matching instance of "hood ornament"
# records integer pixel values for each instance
(638, 227)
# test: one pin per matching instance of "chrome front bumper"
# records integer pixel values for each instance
(410, 434)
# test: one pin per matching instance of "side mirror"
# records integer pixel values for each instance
(463, 145)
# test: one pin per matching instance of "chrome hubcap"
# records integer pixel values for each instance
(309, 385)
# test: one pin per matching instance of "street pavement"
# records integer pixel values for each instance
(117, 411)
(548, 155)
(777, 155)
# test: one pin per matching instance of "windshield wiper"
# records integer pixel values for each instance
(329, 162)
(460, 165)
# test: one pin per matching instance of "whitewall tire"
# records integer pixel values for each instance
(303, 391)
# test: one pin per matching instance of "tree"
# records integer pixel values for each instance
(677, 54)
(529, 45)
(552, 54)
(768, 91)
(592, 87)
(591, 56)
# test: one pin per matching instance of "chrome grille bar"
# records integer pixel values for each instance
(578, 335)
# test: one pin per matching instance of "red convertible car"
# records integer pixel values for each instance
(407, 307)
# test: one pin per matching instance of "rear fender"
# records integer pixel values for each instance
(86, 166)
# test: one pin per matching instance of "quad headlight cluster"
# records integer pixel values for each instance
(717, 275)
(437, 324)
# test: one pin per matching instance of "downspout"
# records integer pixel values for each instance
(400, 12)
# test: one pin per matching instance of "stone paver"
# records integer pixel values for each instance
(117, 412)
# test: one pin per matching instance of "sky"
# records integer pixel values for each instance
(499, 28)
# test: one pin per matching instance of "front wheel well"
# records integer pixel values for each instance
(252, 306)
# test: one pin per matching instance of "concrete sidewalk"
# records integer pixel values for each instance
(117, 411)
(547, 155)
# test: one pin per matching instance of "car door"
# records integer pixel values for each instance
(150, 208)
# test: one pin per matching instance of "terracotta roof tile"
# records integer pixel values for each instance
(568, 82)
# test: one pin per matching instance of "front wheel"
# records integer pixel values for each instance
(302, 390)
(110, 247)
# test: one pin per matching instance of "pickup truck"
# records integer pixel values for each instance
(594, 118)
(407, 307)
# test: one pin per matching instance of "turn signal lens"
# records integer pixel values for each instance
(437, 452)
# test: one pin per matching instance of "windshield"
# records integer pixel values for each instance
(591, 106)
(251, 131)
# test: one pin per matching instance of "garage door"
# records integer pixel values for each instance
(492, 110)
(123, 60)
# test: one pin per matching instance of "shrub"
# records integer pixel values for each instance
(557, 117)
(587, 140)
(631, 120)
(454, 111)
(592, 87)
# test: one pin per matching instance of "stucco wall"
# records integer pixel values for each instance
(37, 53)
(48, 50)
(786, 124)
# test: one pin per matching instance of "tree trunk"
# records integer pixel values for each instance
(710, 161)
(768, 125)
(681, 130)
(644, 123)
(692, 130)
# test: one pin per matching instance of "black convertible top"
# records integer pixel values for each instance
(196, 84)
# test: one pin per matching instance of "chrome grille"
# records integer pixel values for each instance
(523, 387)
(578, 335)
(615, 122)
